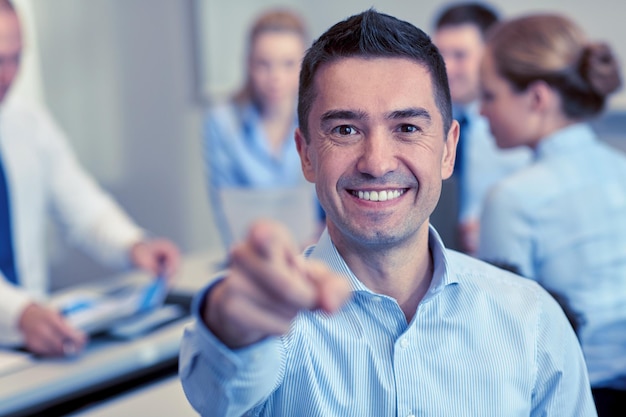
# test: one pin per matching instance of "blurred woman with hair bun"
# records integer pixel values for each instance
(562, 220)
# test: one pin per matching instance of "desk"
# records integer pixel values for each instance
(106, 361)
(163, 398)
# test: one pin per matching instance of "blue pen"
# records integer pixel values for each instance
(154, 294)
(76, 306)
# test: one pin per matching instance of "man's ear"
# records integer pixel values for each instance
(305, 160)
(449, 150)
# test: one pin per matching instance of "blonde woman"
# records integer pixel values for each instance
(561, 221)
(248, 140)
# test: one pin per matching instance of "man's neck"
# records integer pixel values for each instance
(403, 271)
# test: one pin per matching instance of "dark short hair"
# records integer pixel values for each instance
(373, 34)
(478, 14)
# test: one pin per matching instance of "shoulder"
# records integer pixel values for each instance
(496, 285)
(17, 108)
(223, 119)
(530, 187)
(224, 112)
(27, 120)
(220, 108)
(468, 268)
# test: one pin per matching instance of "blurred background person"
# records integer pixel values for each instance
(562, 220)
(249, 139)
(459, 34)
(40, 176)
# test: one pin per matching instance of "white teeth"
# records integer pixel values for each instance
(378, 195)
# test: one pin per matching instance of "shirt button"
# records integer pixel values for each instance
(404, 343)
(411, 415)
(377, 299)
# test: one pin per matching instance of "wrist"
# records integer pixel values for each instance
(223, 328)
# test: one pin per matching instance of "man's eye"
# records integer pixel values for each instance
(408, 129)
(345, 130)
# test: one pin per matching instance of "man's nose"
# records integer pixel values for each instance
(378, 155)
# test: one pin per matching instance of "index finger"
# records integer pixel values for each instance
(275, 276)
(272, 240)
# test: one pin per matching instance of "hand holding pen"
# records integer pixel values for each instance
(47, 332)
(157, 256)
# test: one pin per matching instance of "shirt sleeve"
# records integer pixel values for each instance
(13, 301)
(562, 384)
(505, 233)
(219, 381)
(90, 217)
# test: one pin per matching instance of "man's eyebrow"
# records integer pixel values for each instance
(343, 115)
(410, 113)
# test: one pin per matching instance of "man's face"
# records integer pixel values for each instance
(10, 50)
(377, 151)
(462, 49)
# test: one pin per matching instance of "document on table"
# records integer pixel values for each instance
(94, 311)
(11, 361)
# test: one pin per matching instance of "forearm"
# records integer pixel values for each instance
(219, 381)
(111, 237)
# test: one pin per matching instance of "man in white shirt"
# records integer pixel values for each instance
(42, 176)
(459, 35)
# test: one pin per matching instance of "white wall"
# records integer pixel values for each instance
(121, 78)
(118, 75)
(602, 19)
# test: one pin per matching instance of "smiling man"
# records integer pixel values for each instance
(378, 318)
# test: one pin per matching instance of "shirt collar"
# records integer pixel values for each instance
(325, 250)
(568, 139)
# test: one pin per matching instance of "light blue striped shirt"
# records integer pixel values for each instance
(237, 155)
(237, 152)
(562, 222)
(482, 343)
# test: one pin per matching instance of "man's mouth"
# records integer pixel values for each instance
(378, 195)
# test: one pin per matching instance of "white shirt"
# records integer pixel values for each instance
(44, 178)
